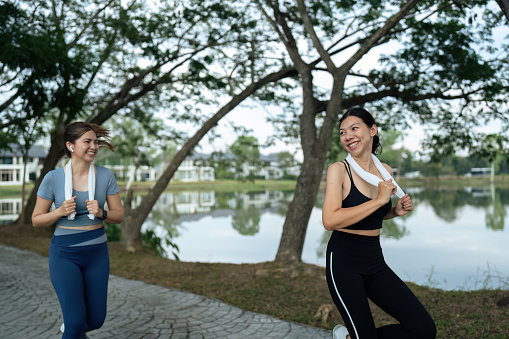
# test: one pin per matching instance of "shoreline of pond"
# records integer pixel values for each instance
(501, 181)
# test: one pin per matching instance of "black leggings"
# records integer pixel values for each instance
(356, 271)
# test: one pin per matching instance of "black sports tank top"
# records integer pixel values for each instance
(355, 198)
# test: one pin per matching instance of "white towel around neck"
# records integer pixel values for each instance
(68, 186)
(371, 178)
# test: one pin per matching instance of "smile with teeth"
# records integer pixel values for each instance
(352, 145)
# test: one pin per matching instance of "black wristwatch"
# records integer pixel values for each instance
(105, 215)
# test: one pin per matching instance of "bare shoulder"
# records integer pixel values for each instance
(336, 168)
(336, 172)
(388, 168)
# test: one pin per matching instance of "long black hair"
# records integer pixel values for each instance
(368, 119)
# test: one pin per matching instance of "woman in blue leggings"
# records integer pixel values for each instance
(355, 267)
(78, 254)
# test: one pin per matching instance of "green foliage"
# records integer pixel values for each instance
(88, 59)
(113, 232)
(154, 242)
(136, 143)
(336, 151)
(287, 176)
(286, 160)
(245, 151)
(245, 148)
(391, 156)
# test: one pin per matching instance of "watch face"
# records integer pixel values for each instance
(105, 214)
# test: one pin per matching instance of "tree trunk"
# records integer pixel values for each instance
(315, 148)
(54, 154)
(299, 210)
(23, 186)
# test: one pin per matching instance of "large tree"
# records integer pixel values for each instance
(90, 60)
(441, 72)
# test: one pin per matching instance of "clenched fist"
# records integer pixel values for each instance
(68, 207)
(93, 208)
(404, 206)
(386, 189)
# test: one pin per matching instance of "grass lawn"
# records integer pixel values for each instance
(293, 293)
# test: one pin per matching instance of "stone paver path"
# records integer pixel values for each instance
(29, 308)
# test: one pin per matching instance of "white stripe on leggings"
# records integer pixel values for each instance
(341, 299)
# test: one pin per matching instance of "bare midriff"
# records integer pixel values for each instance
(370, 233)
(86, 228)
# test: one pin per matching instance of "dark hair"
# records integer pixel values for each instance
(75, 130)
(368, 119)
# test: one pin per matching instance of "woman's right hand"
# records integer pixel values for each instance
(68, 207)
(386, 189)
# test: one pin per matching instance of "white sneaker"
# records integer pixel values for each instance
(83, 336)
(339, 332)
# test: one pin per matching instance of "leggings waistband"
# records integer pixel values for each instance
(354, 244)
(97, 236)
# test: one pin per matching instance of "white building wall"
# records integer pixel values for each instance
(12, 174)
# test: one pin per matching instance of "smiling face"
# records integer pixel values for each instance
(85, 147)
(356, 136)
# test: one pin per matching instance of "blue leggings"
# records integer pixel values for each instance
(355, 271)
(80, 275)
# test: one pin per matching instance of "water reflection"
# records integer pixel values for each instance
(246, 208)
(446, 203)
(10, 208)
(247, 220)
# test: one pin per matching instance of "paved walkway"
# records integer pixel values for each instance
(29, 308)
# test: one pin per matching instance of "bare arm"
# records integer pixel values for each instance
(334, 216)
(42, 217)
(116, 211)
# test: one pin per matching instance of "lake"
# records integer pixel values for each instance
(454, 238)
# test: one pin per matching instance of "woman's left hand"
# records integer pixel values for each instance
(93, 208)
(404, 206)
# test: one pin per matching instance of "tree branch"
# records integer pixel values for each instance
(395, 93)
(314, 38)
(286, 36)
(90, 22)
(371, 41)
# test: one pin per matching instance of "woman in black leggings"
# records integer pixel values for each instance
(356, 270)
